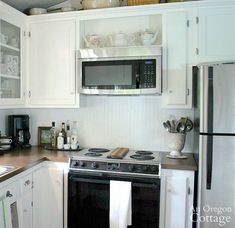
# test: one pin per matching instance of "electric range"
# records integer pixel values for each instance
(134, 163)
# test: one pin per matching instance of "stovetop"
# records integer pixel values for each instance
(133, 156)
(134, 163)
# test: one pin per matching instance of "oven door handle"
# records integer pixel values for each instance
(146, 185)
(98, 181)
(89, 180)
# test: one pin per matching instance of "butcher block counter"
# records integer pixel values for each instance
(23, 159)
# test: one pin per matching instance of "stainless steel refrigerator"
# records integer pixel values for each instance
(214, 144)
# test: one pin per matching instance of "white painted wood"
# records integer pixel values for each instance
(175, 59)
(52, 63)
(48, 198)
(216, 36)
(26, 211)
(177, 189)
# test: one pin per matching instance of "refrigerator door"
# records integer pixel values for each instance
(216, 204)
(217, 98)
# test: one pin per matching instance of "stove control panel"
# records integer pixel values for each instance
(130, 168)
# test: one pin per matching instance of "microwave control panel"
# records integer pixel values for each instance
(148, 74)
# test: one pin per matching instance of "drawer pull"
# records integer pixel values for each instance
(8, 194)
(26, 183)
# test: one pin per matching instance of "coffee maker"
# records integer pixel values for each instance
(18, 129)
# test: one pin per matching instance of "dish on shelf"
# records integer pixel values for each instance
(37, 11)
(96, 4)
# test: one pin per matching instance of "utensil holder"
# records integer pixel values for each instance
(176, 143)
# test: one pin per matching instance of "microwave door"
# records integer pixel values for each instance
(107, 77)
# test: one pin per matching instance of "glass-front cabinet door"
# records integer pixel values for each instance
(10, 63)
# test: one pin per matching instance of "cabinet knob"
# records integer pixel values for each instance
(170, 91)
(26, 183)
(8, 194)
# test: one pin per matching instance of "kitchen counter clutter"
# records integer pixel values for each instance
(25, 159)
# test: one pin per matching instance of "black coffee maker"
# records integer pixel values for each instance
(18, 129)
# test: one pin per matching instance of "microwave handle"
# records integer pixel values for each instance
(137, 77)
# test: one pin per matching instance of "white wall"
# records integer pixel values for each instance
(134, 122)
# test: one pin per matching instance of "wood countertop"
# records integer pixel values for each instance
(188, 163)
(27, 158)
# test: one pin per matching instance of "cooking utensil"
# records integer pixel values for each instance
(167, 126)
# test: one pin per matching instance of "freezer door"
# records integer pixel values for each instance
(216, 204)
(217, 99)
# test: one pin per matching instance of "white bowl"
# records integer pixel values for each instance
(95, 4)
(37, 11)
(67, 9)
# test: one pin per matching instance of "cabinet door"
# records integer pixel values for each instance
(177, 199)
(216, 33)
(52, 63)
(12, 61)
(48, 198)
(11, 205)
(175, 58)
(26, 217)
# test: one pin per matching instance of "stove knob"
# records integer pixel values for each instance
(94, 165)
(75, 164)
(154, 169)
(82, 163)
(145, 168)
(131, 168)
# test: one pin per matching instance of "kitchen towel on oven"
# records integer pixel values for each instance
(120, 210)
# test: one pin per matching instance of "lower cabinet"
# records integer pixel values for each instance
(48, 197)
(34, 198)
(177, 190)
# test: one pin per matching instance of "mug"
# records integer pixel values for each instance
(6, 141)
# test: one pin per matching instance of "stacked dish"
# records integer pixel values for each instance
(5, 144)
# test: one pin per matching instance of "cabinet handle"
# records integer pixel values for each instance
(26, 183)
(168, 190)
(8, 194)
(29, 94)
(170, 91)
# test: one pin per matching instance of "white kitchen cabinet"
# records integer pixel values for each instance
(177, 76)
(10, 205)
(48, 197)
(51, 77)
(177, 189)
(12, 57)
(216, 34)
(26, 215)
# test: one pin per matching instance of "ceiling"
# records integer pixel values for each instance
(24, 5)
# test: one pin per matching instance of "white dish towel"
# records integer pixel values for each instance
(120, 210)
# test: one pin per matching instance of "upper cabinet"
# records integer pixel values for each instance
(12, 58)
(216, 34)
(176, 73)
(51, 78)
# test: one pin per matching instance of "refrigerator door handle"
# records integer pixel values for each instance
(209, 161)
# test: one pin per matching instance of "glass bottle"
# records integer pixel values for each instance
(53, 135)
(63, 133)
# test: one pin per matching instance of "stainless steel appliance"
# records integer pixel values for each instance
(214, 101)
(18, 129)
(120, 70)
(90, 174)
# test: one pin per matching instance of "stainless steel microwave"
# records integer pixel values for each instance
(120, 70)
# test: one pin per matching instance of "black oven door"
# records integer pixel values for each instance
(88, 201)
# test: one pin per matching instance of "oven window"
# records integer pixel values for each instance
(88, 203)
(109, 74)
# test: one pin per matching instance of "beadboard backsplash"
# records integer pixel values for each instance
(108, 121)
